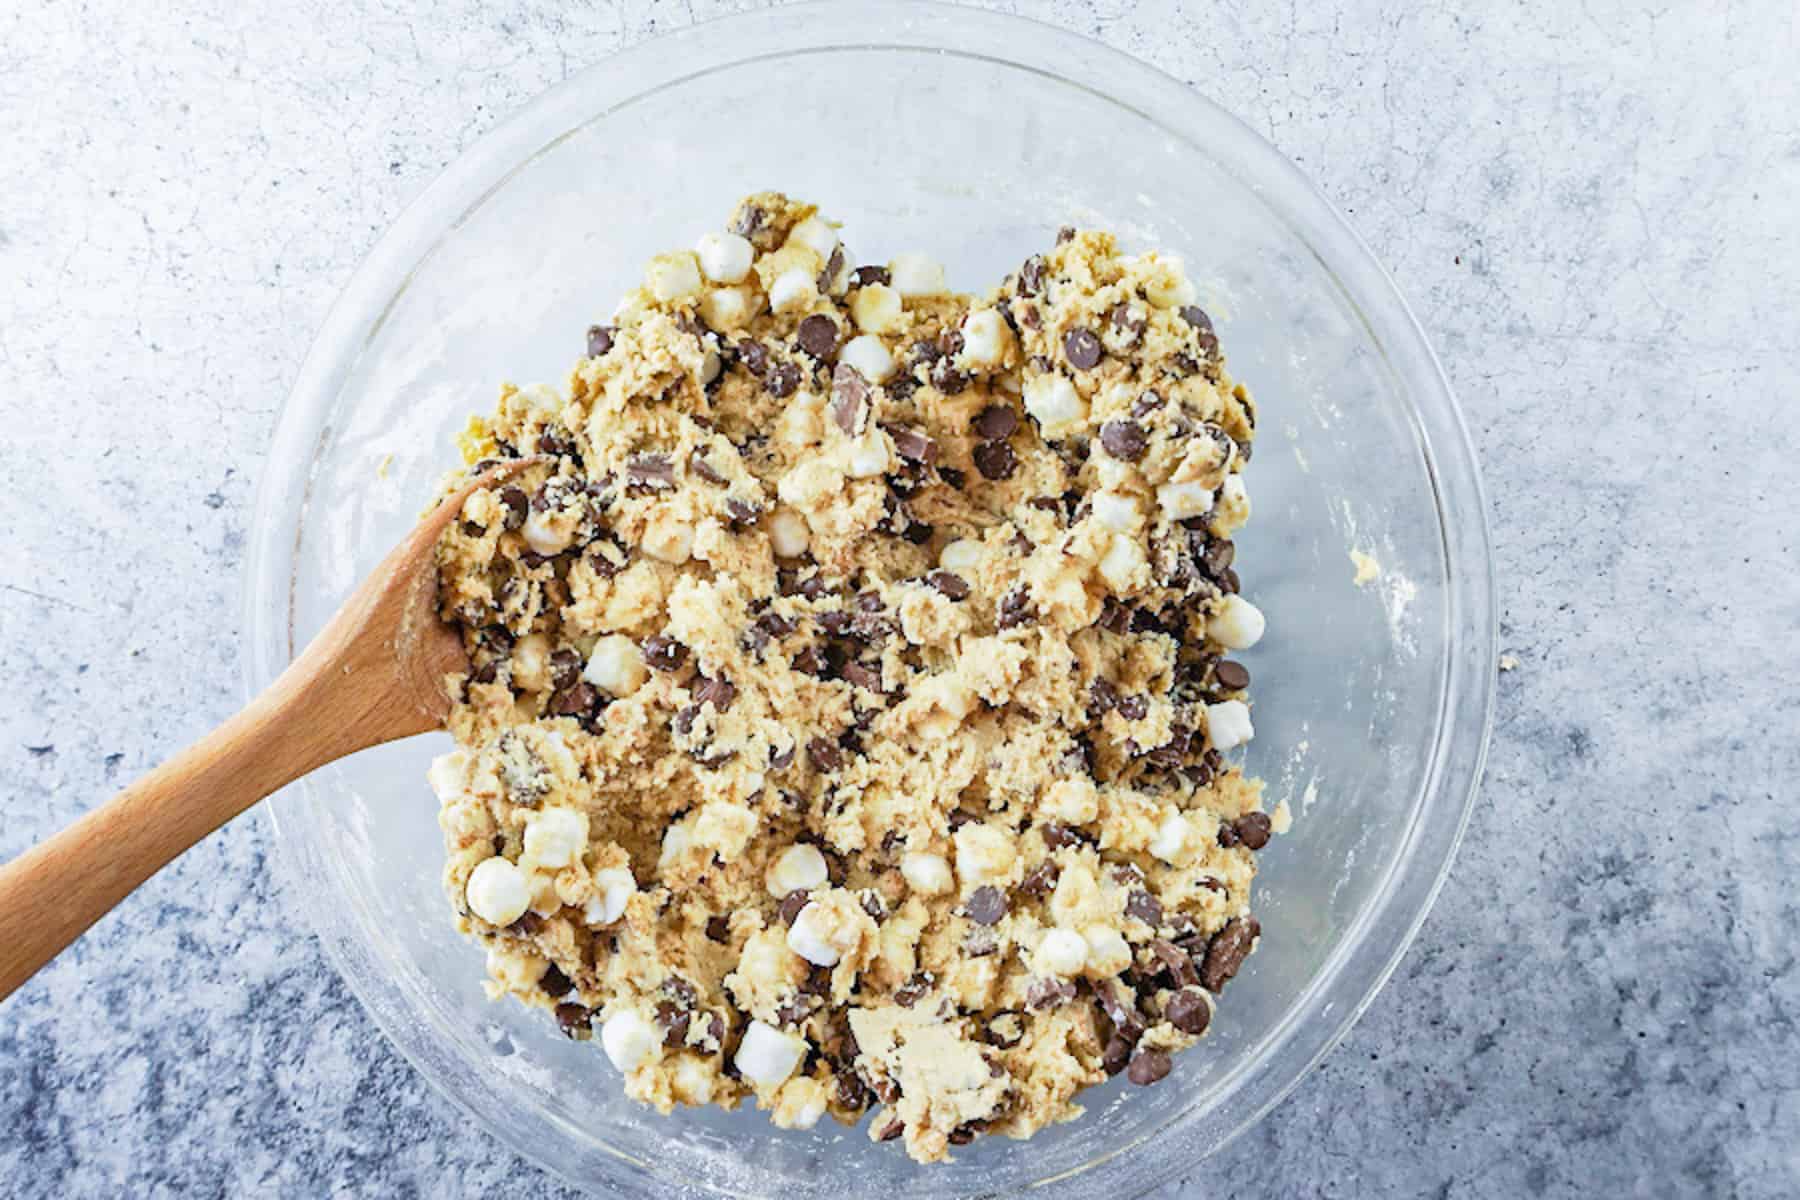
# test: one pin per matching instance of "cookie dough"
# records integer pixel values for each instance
(848, 701)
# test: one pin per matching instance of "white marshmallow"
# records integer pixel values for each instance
(1055, 403)
(1117, 512)
(767, 1056)
(543, 398)
(914, 275)
(1168, 285)
(792, 291)
(1179, 501)
(1228, 725)
(877, 309)
(1108, 952)
(1238, 625)
(927, 874)
(446, 775)
(556, 837)
(788, 533)
(1124, 567)
(616, 887)
(800, 866)
(498, 891)
(983, 854)
(816, 236)
(961, 556)
(668, 538)
(616, 666)
(869, 355)
(724, 257)
(1061, 953)
(628, 1040)
(1172, 838)
(725, 308)
(676, 839)
(985, 337)
(673, 276)
(547, 536)
(869, 455)
(809, 1111)
(1234, 501)
(694, 1081)
(810, 936)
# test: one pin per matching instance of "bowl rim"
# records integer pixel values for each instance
(1361, 961)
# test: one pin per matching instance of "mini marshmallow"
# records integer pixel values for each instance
(673, 276)
(1168, 285)
(985, 337)
(1108, 952)
(877, 309)
(927, 874)
(961, 556)
(556, 837)
(1234, 501)
(1228, 725)
(1124, 568)
(628, 1040)
(616, 887)
(1117, 512)
(915, 275)
(788, 533)
(810, 936)
(668, 538)
(546, 535)
(792, 290)
(616, 666)
(767, 1056)
(542, 398)
(725, 309)
(497, 891)
(676, 839)
(446, 775)
(807, 1113)
(869, 455)
(694, 1081)
(1179, 501)
(800, 867)
(983, 854)
(816, 236)
(724, 257)
(1055, 403)
(1171, 840)
(1238, 625)
(531, 663)
(869, 355)
(1061, 953)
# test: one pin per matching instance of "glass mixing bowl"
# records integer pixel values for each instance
(971, 136)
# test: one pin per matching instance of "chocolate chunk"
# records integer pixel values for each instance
(748, 220)
(553, 982)
(1031, 276)
(894, 1129)
(599, 340)
(565, 669)
(1041, 880)
(663, 653)
(791, 904)
(1049, 993)
(949, 583)
(909, 993)
(1230, 946)
(1005, 1030)
(996, 421)
(1188, 1011)
(649, 473)
(516, 504)
(1127, 324)
(824, 755)
(717, 692)
(1134, 708)
(1144, 907)
(1178, 962)
(1124, 439)
(754, 355)
(1218, 556)
(946, 378)
(849, 398)
(818, 336)
(1196, 316)
(852, 1094)
(995, 460)
(912, 444)
(718, 928)
(1148, 1066)
(1253, 830)
(869, 276)
(575, 1020)
(1118, 1005)
(555, 443)
(1116, 1054)
(1146, 404)
(857, 675)
(1057, 835)
(1082, 349)
(782, 379)
(1102, 695)
(742, 511)
(528, 924)
(1114, 617)
(985, 905)
(698, 465)
(952, 476)
(1015, 607)
(576, 701)
(812, 661)
(673, 1020)
(781, 758)
(829, 272)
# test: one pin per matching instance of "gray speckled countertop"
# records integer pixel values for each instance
(1592, 208)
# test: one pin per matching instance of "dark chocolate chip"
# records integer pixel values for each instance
(949, 583)
(824, 755)
(1208, 340)
(858, 675)
(1082, 349)
(516, 504)
(1146, 404)
(742, 511)
(565, 669)
(1148, 1066)
(1102, 695)
(912, 444)
(574, 1020)
(553, 982)
(782, 379)
(718, 692)
(952, 476)
(698, 465)
(718, 928)
(1226, 954)
(996, 421)
(1178, 962)
(995, 460)
(1232, 676)
(791, 904)
(1134, 708)
(664, 653)
(1031, 276)
(818, 336)
(1015, 607)
(849, 398)
(576, 701)
(985, 905)
(868, 276)
(1124, 439)
(649, 473)
(1144, 907)
(829, 272)
(1041, 880)
(1116, 1054)
(1253, 830)
(599, 340)
(1049, 993)
(1188, 1011)
(754, 355)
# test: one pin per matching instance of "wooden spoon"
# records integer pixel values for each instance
(375, 673)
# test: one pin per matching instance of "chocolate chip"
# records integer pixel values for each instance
(1124, 439)
(791, 904)
(516, 504)
(742, 511)
(664, 653)
(574, 1020)
(894, 1129)
(718, 928)
(1148, 1066)
(912, 444)
(824, 755)
(1188, 1011)
(1005, 1030)
(1228, 835)
(985, 905)
(818, 336)
(849, 397)
(857, 675)
(553, 982)
(1082, 349)
(949, 583)
(1127, 324)
(1253, 830)
(946, 378)
(1049, 993)
(673, 1020)
(869, 276)
(1041, 880)
(812, 661)
(1178, 962)
(748, 220)
(576, 701)
(829, 272)
(1116, 1054)
(754, 355)
(1114, 617)
(698, 465)
(1134, 707)
(649, 473)
(782, 379)
(852, 1093)
(1015, 607)
(565, 669)
(962, 1135)
(952, 476)
(1196, 316)
(1031, 276)
(1232, 676)
(996, 421)
(1146, 404)
(995, 460)
(781, 758)
(599, 340)
(1218, 556)
(717, 692)
(555, 443)
(1230, 946)
(909, 993)
(1144, 907)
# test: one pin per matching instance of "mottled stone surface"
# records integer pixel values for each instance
(1592, 207)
